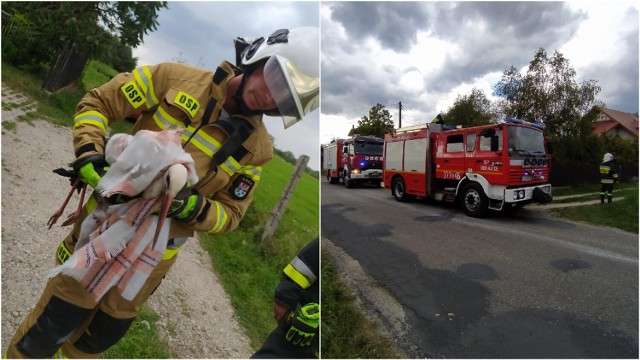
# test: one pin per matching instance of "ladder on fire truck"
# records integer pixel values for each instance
(418, 127)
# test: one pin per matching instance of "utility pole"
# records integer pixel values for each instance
(399, 114)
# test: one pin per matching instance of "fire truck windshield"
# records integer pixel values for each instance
(368, 148)
(526, 142)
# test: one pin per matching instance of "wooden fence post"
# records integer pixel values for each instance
(281, 206)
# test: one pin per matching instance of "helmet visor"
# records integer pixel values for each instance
(295, 93)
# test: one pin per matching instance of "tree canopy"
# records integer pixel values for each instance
(470, 110)
(547, 94)
(378, 121)
(45, 27)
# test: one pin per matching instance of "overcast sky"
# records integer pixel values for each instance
(425, 54)
(202, 33)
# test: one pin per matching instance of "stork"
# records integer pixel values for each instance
(166, 187)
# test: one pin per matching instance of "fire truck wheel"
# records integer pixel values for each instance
(346, 179)
(399, 190)
(474, 201)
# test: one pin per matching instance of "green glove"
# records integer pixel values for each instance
(304, 325)
(184, 204)
(90, 169)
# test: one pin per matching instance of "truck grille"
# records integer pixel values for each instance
(516, 174)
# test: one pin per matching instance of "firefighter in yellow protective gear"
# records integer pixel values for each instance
(220, 113)
(296, 309)
(608, 176)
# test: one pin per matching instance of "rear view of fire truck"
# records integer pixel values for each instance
(491, 167)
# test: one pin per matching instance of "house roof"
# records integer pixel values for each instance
(626, 120)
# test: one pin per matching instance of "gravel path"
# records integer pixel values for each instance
(196, 317)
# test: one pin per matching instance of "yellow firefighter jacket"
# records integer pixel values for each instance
(176, 95)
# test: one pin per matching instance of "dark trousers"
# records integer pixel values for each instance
(276, 347)
(606, 190)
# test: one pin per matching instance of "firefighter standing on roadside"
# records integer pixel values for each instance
(608, 176)
(296, 309)
(277, 76)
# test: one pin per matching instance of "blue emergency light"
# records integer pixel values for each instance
(518, 121)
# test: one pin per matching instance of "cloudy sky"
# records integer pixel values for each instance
(425, 54)
(201, 34)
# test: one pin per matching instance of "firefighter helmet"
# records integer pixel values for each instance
(607, 157)
(291, 71)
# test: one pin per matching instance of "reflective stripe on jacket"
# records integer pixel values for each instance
(608, 172)
(171, 95)
(299, 284)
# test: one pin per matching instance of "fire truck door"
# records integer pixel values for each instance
(451, 157)
(487, 160)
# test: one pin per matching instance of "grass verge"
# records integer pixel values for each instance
(346, 333)
(621, 214)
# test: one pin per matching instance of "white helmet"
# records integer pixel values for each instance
(607, 157)
(292, 70)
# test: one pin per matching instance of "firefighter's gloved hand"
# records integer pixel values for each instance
(303, 325)
(90, 169)
(185, 204)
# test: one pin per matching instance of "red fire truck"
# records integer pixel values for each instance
(490, 167)
(355, 160)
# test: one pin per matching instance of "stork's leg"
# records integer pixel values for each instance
(74, 216)
(58, 213)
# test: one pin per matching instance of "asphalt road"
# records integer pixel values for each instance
(515, 285)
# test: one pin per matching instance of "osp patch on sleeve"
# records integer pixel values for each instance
(241, 187)
(187, 102)
(133, 94)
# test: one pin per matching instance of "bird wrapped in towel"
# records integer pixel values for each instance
(119, 245)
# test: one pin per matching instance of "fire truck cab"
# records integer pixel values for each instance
(489, 167)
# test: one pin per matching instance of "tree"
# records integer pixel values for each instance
(470, 110)
(117, 55)
(85, 25)
(377, 123)
(547, 94)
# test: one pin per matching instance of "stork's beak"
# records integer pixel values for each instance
(174, 180)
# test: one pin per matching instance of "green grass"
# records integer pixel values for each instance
(346, 333)
(57, 107)
(589, 188)
(591, 196)
(8, 125)
(248, 269)
(621, 214)
(96, 74)
(141, 341)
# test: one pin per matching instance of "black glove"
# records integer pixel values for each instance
(303, 325)
(185, 204)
